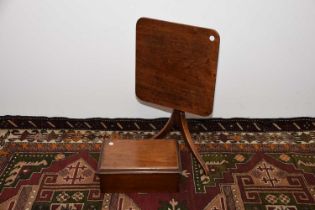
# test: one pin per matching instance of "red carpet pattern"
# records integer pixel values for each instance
(250, 170)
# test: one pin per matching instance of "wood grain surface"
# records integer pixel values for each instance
(139, 166)
(139, 156)
(176, 65)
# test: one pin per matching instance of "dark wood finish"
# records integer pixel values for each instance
(145, 155)
(176, 65)
(168, 126)
(139, 166)
(168, 182)
(178, 117)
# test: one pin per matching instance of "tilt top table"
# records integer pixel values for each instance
(176, 67)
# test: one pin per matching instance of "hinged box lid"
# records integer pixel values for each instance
(139, 156)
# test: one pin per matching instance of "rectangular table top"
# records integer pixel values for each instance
(176, 65)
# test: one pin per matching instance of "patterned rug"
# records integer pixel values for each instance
(255, 164)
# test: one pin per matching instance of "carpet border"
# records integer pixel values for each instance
(128, 124)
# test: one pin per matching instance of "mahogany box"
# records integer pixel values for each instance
(139, 166)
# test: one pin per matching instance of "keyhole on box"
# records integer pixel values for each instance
(212, 38)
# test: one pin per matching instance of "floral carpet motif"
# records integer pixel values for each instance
(54, 168)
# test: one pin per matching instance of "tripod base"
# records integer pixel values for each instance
(178, 117)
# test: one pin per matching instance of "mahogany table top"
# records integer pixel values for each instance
(176, 65)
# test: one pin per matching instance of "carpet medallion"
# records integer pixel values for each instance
(264, 169)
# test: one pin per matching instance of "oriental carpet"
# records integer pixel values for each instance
(255, 164)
